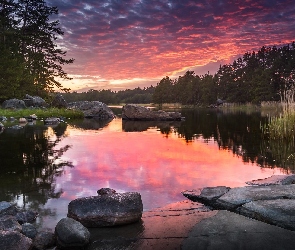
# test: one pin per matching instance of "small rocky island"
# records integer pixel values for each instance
(139, 113)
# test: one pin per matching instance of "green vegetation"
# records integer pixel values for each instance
(282, 127)
(136, 95)
(42, 113)
(29, 58)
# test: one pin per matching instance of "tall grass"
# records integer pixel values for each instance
(282, 127)
(42, 113)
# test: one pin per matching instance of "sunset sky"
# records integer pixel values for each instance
(120, 44)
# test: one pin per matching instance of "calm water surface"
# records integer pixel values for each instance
(44, 168)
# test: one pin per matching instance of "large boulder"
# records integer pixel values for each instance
(71, 234)
(139, 113)
(93, 109)
(58, 101)
(35, 101)
(14, 104)
(110, 209)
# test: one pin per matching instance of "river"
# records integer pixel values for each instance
(43, 168)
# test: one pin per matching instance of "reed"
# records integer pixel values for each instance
(282, 127)
(42, 113)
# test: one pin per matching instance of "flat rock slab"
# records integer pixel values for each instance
(273, 180)
(236, 197)
(206, 195)
(230, 231)
(280, 212)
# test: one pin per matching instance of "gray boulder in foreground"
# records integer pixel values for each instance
(140, 113)
(71, 234)
(107, 210)
(93, 109)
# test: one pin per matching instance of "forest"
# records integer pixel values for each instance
(255, 77)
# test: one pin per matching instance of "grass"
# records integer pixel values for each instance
(281, 127)
(42, 113)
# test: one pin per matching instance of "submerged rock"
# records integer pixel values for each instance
(52, 121)
(107, 209)
(140, 113)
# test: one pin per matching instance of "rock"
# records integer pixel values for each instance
(44, 239)
(230, 231)
(107, 210)
(59, 101)
(236, 197)
(14, 241)
(106, 191)
(52, 121)
(2, 127)
(161, 228)
(22, 120)
(9, 223)
(34, 101)
(26, 216)
(13, 104)
(94, 109)
(273, 180)
(135, 112)
(279, 212)
(29, 230)
(7, 208)
(207, 195)
(32, 117)
(71, 234)
(3, 118)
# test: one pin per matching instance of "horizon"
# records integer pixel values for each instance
(121, 45)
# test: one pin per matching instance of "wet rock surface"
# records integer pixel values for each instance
(110, 209)
(229, 231)
(162, 228)
(271, 200)
(139, 113)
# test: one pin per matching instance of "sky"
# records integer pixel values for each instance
(120, 44)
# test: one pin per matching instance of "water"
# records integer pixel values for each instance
(44, 168)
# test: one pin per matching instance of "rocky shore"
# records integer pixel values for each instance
(258, 216)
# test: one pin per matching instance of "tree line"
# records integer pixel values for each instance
(137, 95)
(255, 77)
(30, 60)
